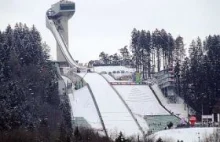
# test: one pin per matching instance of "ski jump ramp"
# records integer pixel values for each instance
(115, 115)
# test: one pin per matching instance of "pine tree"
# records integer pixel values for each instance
(104, 57)
(125, 55)
(120, 138)
(135, 49)
(29, 99)
(200, 75)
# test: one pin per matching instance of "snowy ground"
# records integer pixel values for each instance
(178, 108)
(120, 75)
(82, 106)
(114, 113)
(140, 99)
(185, 134)
(142, 122)
(111, 79)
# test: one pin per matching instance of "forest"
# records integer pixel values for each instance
(199, 75)
(196, 68)
(30, 106)
(150, 52)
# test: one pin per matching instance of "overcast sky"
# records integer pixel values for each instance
(106, 25)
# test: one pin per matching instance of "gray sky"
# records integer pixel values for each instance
(106, 25)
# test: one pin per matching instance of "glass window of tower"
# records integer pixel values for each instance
(67, 7)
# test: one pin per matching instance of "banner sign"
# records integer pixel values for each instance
(138, 77)
(128, 83)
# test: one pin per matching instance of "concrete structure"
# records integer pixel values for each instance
(211, 120)
(57, 22)
(166, 81)
(60, 13)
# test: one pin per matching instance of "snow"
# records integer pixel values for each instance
(82, 106)
(119, 75)
(114, 113)
(159, 93)
(111, 79)
(141, 99)
(66, 80)
(116, 71)
(177, 108)
(107, 69)
(185, 134)
(142, 122)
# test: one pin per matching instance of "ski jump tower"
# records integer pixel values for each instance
(57, 21)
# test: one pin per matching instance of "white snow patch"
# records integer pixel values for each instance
(109, 78)
(142, 122)
(184, 134)
(177, 108)
(83, 106)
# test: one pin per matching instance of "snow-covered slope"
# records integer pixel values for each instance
(114, 113)
(109, 78)
(83, 106)
(177, 108)
(142, 122)
(184, 134)
(141, 100)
